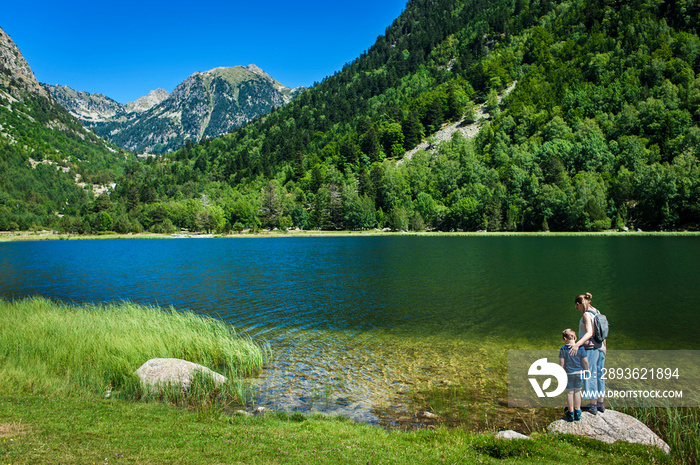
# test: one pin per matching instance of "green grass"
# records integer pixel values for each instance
(477, 401)
(56, 349)
(679, 427)
(57, 361)
(48, 430)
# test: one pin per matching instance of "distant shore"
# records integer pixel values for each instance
(11, 236)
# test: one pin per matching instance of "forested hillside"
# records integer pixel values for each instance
(48, 160)
(601, 130)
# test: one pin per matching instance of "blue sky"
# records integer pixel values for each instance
(126, 48)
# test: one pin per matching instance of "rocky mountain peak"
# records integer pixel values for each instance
(254, 69)
(147, 102)
(15, 73)
(206, 104)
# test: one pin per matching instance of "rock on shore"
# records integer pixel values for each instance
(164, 371)
(510, 434)
(609, 427)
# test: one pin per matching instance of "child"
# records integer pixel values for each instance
(575, 367)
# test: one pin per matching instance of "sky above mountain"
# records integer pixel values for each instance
(126, 49)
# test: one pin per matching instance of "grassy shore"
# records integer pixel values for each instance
(57, 361)
(59, 350)
(49, 430)
(9, 236)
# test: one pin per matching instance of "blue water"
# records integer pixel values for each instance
(328, 306)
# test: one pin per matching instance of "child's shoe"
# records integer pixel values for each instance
(593, 410)
(577, 415)
(601, 407)
(568, 416)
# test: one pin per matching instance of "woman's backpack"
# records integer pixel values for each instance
(600, 327)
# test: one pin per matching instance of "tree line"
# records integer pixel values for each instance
(601, 131)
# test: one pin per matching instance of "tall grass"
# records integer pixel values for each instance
(477, 401)
(678, 426)
(56, 349)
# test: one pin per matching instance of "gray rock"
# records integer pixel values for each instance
(259, 411)
(510, 434)
(86, 107)
(610, 427)
(163, 371)
(13, 67)
(147, 102)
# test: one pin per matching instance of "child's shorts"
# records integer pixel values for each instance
(574, 382)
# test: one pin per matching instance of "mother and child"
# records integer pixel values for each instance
(580, 358)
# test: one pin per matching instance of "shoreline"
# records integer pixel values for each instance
(14, 236)
(63, 415)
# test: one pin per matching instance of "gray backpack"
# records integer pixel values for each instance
(600, 327)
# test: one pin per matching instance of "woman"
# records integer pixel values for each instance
(596, 353)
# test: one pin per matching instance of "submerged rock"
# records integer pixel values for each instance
(610, 426)
(164, 371)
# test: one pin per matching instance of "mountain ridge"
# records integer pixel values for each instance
(206, 104)
(86, 107)
(15, 67)
(147, 101)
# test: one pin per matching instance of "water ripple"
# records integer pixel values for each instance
(343, 315)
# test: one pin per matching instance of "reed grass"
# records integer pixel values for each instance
(51, 348)
(478, 402)
(678, 426)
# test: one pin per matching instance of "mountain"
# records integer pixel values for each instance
(146, 102)
(50, 165)
(205, 105)
(17, 79)
(600, 131)
(98, 108)
(87, 108)
(568, 115)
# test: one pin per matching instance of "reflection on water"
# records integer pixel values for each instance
(355, 322)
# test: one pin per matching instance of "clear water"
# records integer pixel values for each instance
(355, 322)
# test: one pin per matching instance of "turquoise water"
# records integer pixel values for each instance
(352, 321)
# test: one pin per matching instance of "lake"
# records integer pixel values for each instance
(358, 324)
